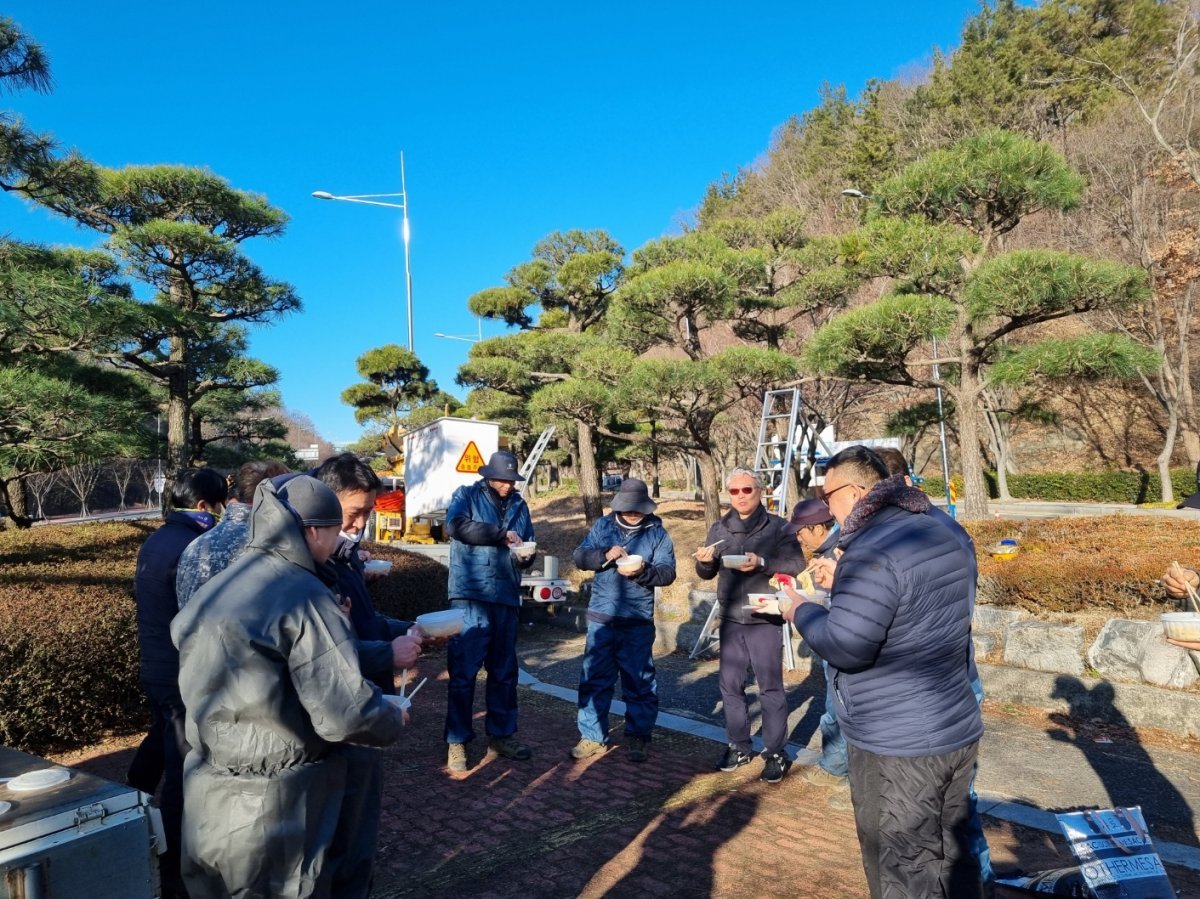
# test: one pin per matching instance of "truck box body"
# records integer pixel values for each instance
(441, 457)
(84, 837)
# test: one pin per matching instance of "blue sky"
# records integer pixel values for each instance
(515, 120)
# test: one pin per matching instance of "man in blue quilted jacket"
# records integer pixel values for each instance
(485, 521)
(897, 635)
(620, 636)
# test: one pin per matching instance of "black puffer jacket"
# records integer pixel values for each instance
(769, 537)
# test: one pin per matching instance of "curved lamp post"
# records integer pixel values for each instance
(378, 200)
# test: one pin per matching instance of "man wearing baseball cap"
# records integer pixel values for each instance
(485, 521)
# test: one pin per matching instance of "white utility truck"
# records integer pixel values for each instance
(439, 458)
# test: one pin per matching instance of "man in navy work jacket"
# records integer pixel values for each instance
(485, 520)
(620, 636)
(897, 635)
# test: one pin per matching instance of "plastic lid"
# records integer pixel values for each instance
(39, 780)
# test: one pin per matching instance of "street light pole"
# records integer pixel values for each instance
(375, 200)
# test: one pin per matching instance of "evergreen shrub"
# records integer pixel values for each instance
(1080, 486)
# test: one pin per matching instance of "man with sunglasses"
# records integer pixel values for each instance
(768, 544)
(897, 635)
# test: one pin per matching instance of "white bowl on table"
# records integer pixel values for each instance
(734, 560)
(445, 623)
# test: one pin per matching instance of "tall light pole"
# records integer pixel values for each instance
(855, 194)
(377, 200)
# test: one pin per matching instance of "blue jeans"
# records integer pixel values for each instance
(626, 648)
(488, 640)
(976, 841)
(833, 745)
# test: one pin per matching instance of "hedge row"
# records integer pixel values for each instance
(1081, 486)
(68, 630)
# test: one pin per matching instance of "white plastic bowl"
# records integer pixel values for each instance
(378, 566)
(765, 603)
(734, 561)
(629, 563)
(445, 623)
(400, 702)
(1181, 625)
(524, 550)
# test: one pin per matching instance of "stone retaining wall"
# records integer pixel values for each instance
(1045, 665)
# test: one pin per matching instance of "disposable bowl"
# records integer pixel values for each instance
(524, 550)
(378, 566)
(629, 563)
(734, 561)
(766, 603)
(445, 623)
(1181, 625)
(400, 702)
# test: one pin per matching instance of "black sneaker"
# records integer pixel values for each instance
(776, 766)
(733, 759)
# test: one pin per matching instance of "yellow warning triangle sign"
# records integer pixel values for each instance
(470, 461)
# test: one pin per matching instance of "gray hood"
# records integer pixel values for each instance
(276, 528)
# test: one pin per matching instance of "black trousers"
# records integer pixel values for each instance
(913, 816)
(760, 647)
(160, 757)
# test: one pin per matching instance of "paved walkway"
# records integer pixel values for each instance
(554, 827)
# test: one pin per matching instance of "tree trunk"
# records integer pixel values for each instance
(1167, 489)
(711, 486)
(973, 504)
(16, 502)
(1000, 444)
(179, 444)
(589, 476)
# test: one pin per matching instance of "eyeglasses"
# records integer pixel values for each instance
(830, 493)
(736, 491)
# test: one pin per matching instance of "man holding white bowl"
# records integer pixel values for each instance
(491, 542)
(631, 553)
(745, 547)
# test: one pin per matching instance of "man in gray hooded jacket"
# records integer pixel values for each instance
(270, 678)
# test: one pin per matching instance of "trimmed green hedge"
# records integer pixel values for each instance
(1081, 486)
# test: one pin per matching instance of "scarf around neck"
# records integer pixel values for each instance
(888, 492)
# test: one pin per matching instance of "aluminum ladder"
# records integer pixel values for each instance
(777, 446)
(535, 456)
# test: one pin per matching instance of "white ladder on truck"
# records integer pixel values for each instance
(773, 465)
(535, 456)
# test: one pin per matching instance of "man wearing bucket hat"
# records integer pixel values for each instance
(631, 554)
(486, 521)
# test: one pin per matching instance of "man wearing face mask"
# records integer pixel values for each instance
(385, 646)
(197, 501)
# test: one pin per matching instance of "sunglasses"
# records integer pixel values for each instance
(739, 491)
(829, 493)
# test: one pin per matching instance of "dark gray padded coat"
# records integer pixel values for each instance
(271, 682)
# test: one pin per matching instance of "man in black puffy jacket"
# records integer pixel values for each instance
(749, 638)
(897, 635)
